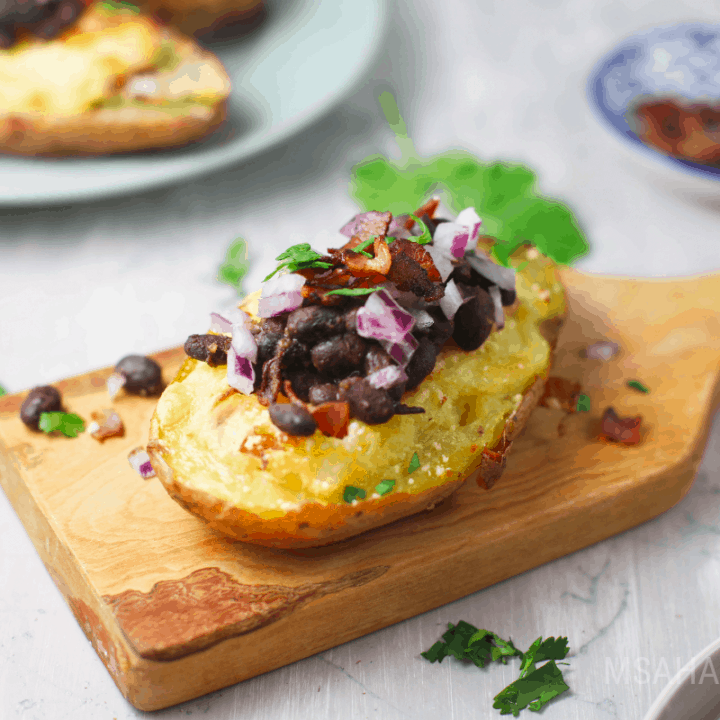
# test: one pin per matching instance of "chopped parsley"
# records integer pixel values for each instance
(353, 292)
(3, 391)
(637, 385)
(119, 6)
(236, 265)
(299, 257)
(68, 424)
(364, 244)
(384, 487)
(352, 493)
(534, 688)
(505, 195)
(425, 237)
(583, 404)
(414, 463)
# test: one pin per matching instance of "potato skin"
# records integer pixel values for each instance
(312, 520)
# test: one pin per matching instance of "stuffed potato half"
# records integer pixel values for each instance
(219, 455)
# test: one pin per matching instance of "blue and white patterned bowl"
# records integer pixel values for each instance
(680, 61)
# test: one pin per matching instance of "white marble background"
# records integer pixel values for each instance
(82, 286)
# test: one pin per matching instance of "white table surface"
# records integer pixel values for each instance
(82, 286)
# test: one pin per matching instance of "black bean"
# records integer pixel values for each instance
(376, 359)
(441, 329)
(473, 320)
(293, 419)
(351, 320)
(143, 376)
(421, 364)
(464, 274)
(397, 391)
(212, 349)
(339, 355)
(302, 382)
(369, 404)
(315, 323)
(39, 400)
(274, 324)
(297, 355)
(266, 344)
(322, 393)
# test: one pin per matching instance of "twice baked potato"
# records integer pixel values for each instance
(114, 81)
(221, 454)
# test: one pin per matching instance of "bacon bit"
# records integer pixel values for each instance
(290, 393)
(561, 394)
(413, 270)
(492, 465)
(429, 209)
(272, 375)
(622, 430)
(332, 418)
(107, 423)
(362, 266)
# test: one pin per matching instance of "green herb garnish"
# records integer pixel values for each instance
(352, 493)
(119, 5)
(384, 487)
(414, 463)
(68, 424)
(637, 385)
(236, 265)
(298, 257)
(425, 237)
(352, 292)
(505, 195)
(364, 244)
(583, 404)
(534, 688)
(3, 391)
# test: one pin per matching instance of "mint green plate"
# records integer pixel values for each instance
(306, 57)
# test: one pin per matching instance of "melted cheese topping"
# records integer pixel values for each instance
(71, 73)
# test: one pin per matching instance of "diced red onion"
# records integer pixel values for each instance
(243, 341)
(240, 372)
(219, 324)
(496, 274)
(471, 220)
(355, 225)
(401, 350)
(452, 300)
(387, 377)
(381, 318)
(602, 350)
(115, 383)
(497, 304)
(140, 463)
(423, 319)
(106, 424)
(397, 227)
(441, 259)
(281, 294)
(452, 239)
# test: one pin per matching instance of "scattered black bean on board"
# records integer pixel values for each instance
(40, 400)
(143, 376)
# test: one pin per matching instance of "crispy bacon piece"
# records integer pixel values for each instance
(332, 418)
(622, 430)
(362, 266)
(413, 270)
(429, 209)
(272, 374)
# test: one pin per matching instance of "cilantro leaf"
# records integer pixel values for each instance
(352, 292)
(504, 195)
(414, 463)
(541, 650)
(533, 690)
(68, 424)
(384, 487)
(299, 257)
(3, 391)
(352, 493)
(236, 265)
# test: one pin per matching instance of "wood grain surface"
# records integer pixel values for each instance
(175, 610)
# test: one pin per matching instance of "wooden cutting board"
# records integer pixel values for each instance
(175, 610)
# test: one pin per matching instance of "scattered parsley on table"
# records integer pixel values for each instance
(583, 404)
(535, 687)
(637, 385)
(236, 265)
